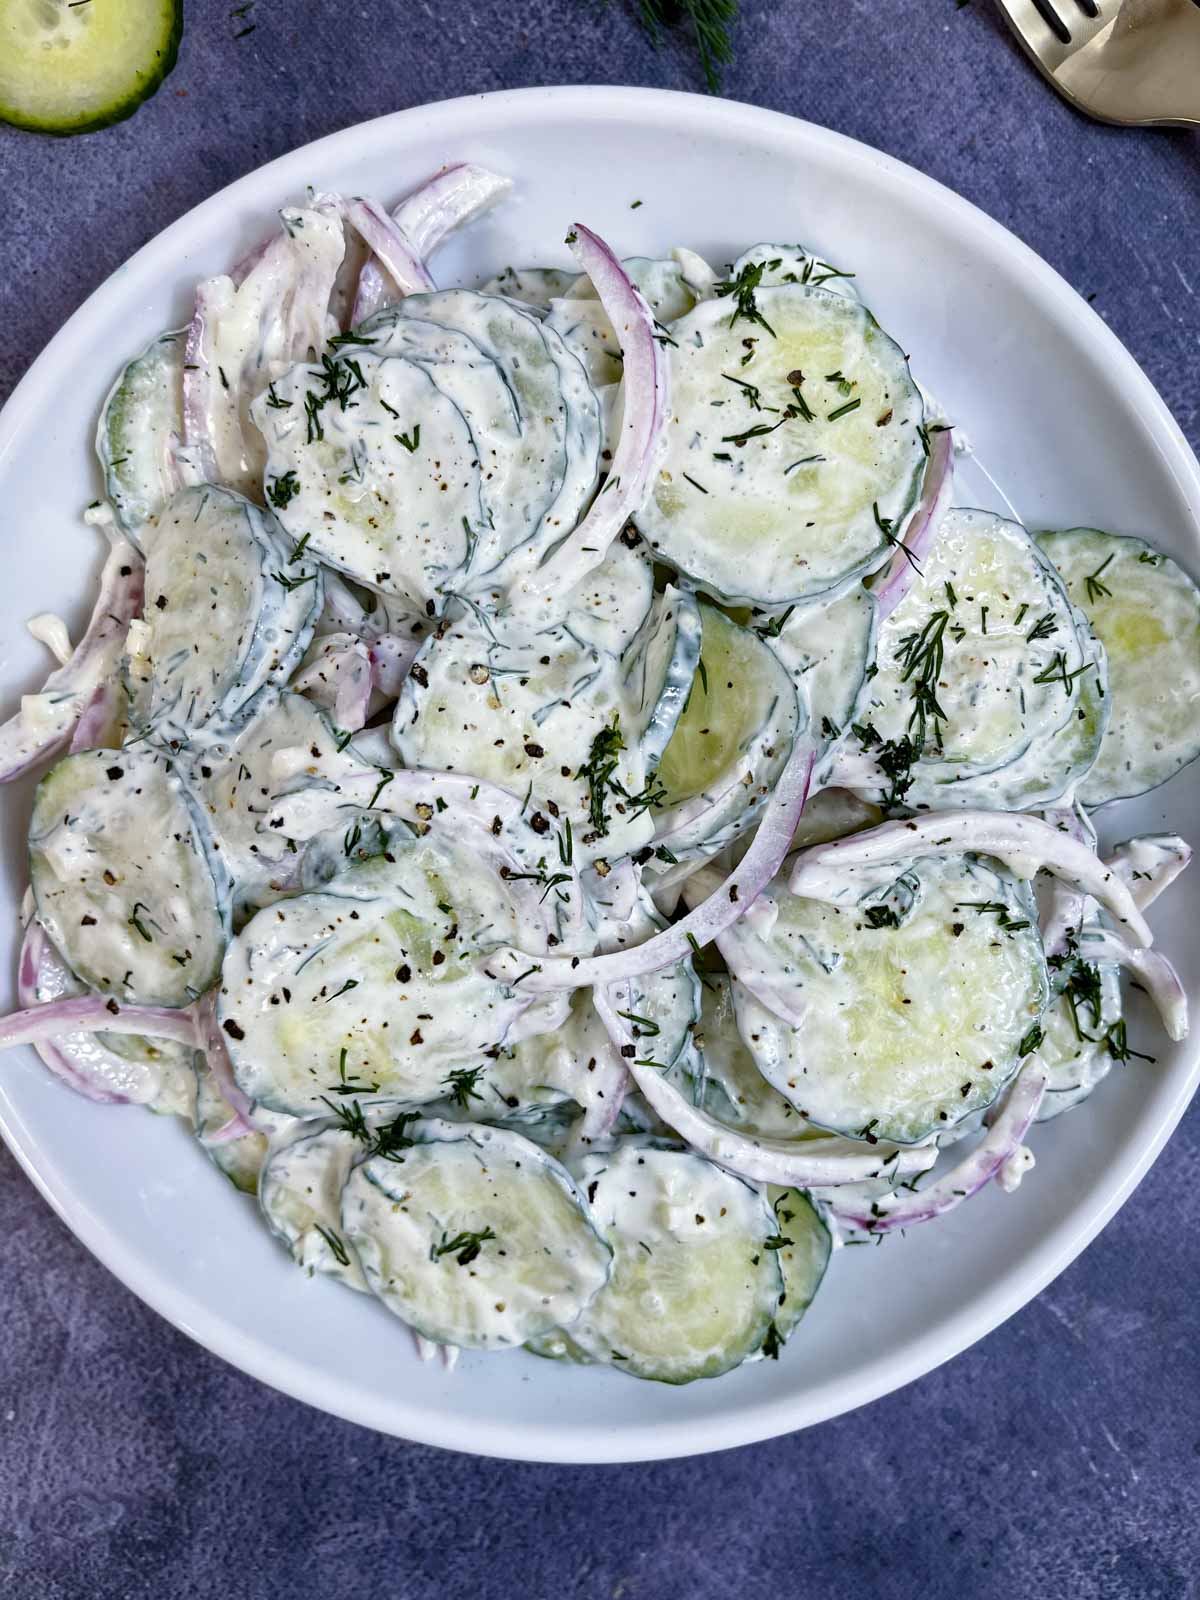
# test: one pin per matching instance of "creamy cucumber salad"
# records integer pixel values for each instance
(561, 800)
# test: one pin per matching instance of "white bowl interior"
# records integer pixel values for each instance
(1065, 422)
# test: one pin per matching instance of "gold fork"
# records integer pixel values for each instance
(1131, 61)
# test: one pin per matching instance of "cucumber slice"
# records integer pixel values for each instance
(1145, 610)
(125, 879)
(803, 1257)
(731, 741)
(1085, 1006)
(728, 1083)
(659, 1010)
(240, 1159)
(230, 611)
(520, 477)
(915, 1001)
(828, 649)
(529, 708)
(372, 986)
(139, 432)
(765, 505)
(792, 263)
(238, 782)
(659, 668)
(68, 69)
(300, 1193)
(695, 1287)
(534, 287)
(559, 412)
(575, 1062)
(384, 484)
(474, 1236)
(990, 689)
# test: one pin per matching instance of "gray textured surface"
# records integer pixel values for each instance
(1061, 1456)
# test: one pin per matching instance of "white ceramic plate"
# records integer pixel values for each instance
(1064, 419)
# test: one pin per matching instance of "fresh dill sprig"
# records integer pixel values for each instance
(742, 288)
(464, 1247)
(710, 20)
(461, 1084)
(597, 771)
(1096, 589)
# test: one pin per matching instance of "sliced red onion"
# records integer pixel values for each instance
(732, 900)
(1152, 970)
(1150, 864)
(985, 1162)
(212, 1041)
(70, 1057)
(282, 306)
(25, 740)
(1024, 843)
(92, 1013)
(896, 579)
(97, 725)
(389, 242)
(338, 677)
(454, 196)
(200, 380)
(1067, 907)
(391, 655)
(644, 391)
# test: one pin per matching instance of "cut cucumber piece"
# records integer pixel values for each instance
(125, 879)
(539, 711)
(384, 483)
(575, 1062)
(230, 610)
(792, 263)
(300, 1193)
(915, 1000)
(803, 1255)
(520, 475)
(695, 1286)
(139, 432)
(773, 489)
(474, 1236)
(828, 649)
(532, 286)
(659, 668)
(372, 987)
(558, 409)
(237, 783)
(1145, 610)
(731, 742)
(73, 68)
(1085, 1005)
(990, 689)
(728, 1084)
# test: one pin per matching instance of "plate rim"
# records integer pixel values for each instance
(405, 1417)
